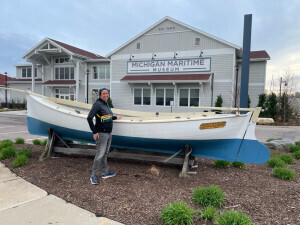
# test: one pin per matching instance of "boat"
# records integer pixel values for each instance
(229, 137)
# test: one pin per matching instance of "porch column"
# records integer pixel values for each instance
(32, 78)
(77, 79)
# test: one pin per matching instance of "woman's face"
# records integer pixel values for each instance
(104, 95)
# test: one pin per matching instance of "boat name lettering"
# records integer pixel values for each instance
(212, 125)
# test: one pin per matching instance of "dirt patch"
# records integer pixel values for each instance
(291, 122)
(139, 192)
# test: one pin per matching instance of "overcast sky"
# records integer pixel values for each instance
(101, 26)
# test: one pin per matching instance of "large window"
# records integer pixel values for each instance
(142, 96)
(189, 97)
(101, 72)
(26, 72)
(64, 73)
(164, 96)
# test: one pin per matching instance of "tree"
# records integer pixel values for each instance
(271, 106)
(262, 103)
(285, 110)
(219, 103)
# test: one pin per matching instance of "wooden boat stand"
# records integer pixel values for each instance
(57, 145)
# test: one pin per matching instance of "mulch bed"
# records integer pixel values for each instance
(138, 194)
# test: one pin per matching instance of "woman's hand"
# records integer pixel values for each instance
(119, 117)
(95, 136)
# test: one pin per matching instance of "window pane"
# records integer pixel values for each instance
(28, 72)
(95, 73)
(61, 73)
(35, 72)
(137, 96)
(160, 96)
(107, 71)
(23, 72)
(102, 71)
(56, 73)
(194, 97)
(169, 96)
(72, 73)
(61, 60)
(67, 73)
(183, 101)
(146, 96)
(56, 60)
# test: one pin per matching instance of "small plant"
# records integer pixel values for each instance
(6, 143)
(294, 148)
(37, 142)
(238, 164)
(297, 155)
(233, 217)
(209, 213)
(284, 173)
(20, 160)
(44, 142)
(287, 158)
(273, 139)
(276, 162)
(221, 163)
(19, 141)
(7, 152)
(209, 196)
(177, 213)
(297, 143)
(25, 152)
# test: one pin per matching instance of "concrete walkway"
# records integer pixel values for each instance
(23, 203)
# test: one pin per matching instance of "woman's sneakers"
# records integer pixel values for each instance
(108, 174)
(94, 179)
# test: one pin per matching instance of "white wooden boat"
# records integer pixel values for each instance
(228, 137)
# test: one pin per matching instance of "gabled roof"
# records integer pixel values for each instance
(180, 23)
(259, 55)
(72, 50)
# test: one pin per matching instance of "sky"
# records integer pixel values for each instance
(101, 26)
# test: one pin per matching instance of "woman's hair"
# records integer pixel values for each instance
(101, 89)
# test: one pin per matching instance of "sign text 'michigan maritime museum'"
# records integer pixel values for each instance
(169, 66)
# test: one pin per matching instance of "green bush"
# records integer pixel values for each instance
(209, 196)
(37, 142)
(233, 217)
(287, 158)
(6, 143)
(294, 148)
(276, 162)
(297, 155)
(284, 173)
(273, 139)
(7, 152)
(20, 160)
(209, 213)
(19, 140)
(297, 143)
(221, 163)
(238, 164)
(44, 142)
(177, 213)
(25, 152)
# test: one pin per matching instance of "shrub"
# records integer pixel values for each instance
(177, 213)
(19, 141)
(44, 142)
(297, 155)
(294, 148)
(209, 213)
(221, 163)
(284, 173)
(297, 143)
(238, 164)
(286, 158)
(25, 152)
(37, 142)
(209, 196)
(233, 217)
(276, 162)
(273, 139)
(6, 143)
(7, 152)
(20, 160)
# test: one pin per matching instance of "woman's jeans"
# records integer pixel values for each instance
(102, 146)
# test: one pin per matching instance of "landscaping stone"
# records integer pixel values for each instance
(279, 144)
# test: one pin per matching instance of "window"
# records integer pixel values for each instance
(64, 73)
(138, 46)
(65, 93)
(142, 96)
(160, 93)
(189, 97)
(26, 72)
(101, 72)
(197, 41)
(61, 60)
(164, 96)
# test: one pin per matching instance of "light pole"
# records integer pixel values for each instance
(285, 84)
(5, 89)
(87, 86)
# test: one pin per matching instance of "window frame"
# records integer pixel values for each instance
(96, 72)
(165, 97)
(197, 41)
(142, 96)
(71, 73)
(189, 96)
(28, 72)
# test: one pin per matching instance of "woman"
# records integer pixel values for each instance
(101, 134)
